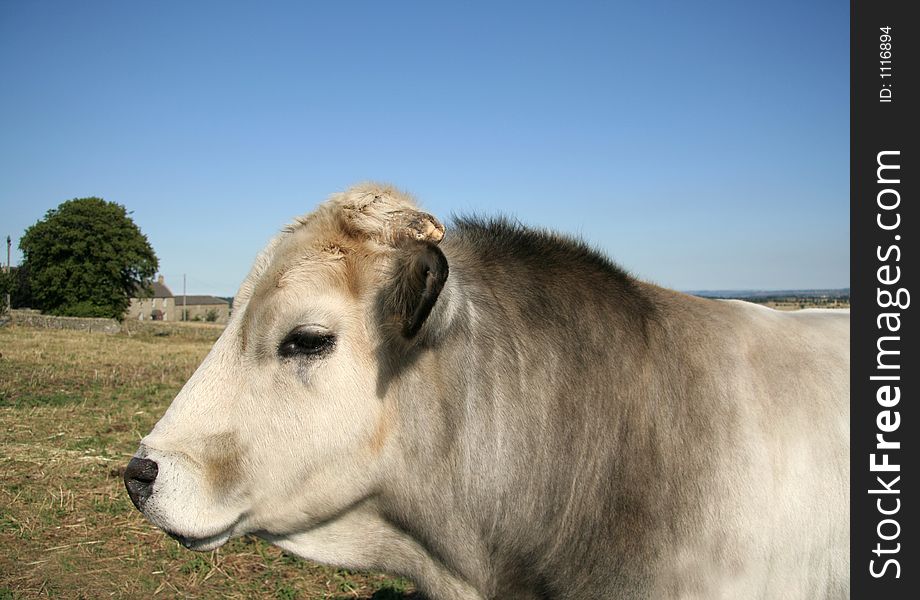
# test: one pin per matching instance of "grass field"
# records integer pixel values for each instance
(73, 407)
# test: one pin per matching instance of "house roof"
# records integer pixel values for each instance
(199, 300)
(159, 291)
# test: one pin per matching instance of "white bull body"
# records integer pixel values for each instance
(506, 414)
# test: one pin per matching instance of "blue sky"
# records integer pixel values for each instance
(701, 145)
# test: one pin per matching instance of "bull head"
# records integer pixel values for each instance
(283, 430)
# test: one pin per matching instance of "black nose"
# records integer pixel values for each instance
(139, 477)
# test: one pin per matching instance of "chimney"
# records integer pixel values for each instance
(160, 280)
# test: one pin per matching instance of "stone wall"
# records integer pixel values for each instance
(33, 318)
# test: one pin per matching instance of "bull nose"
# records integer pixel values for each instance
(139, 477)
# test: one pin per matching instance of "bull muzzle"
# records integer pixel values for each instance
(139, 477)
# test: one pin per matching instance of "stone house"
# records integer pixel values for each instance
(158, 306)
(202, 308)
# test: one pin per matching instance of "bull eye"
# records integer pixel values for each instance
(306, 342)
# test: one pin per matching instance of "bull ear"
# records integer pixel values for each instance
(419, 272)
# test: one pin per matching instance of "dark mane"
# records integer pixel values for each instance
(505, 237)
(548, 255)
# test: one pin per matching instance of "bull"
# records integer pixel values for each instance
(499, 412)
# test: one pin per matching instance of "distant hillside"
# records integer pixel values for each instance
(785, 299)
(765, 295)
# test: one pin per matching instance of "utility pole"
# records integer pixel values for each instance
(184, 300)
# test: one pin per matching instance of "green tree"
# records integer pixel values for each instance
(7, 284)
(16, 284)
(86, 258)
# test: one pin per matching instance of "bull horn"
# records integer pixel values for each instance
(386, 215)
(415, 224)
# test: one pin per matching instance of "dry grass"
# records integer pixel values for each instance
(73, 406)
